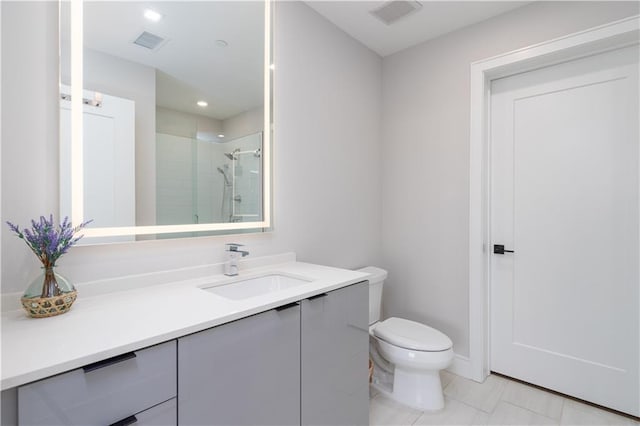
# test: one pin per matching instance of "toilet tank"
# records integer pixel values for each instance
(376, 281)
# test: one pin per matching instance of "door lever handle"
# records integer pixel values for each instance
(499, 249)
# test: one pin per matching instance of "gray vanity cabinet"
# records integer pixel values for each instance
(246, 372)
(304, 363)
(334, 354)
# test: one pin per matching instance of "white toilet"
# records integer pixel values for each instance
(410, 352)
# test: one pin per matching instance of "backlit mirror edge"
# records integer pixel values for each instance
(77, 169)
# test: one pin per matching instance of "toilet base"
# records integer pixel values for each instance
(418, 389)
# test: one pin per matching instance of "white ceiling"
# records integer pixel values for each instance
(435, 18)
(230, 79)
(192, 67)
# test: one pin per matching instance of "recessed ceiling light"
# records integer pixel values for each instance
(221, 43)
(202, 104)
(152, 15)
(221, 135)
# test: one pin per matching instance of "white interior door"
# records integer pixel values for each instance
(108, 163)
(564, 195)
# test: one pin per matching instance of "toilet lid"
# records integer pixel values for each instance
(412, 335)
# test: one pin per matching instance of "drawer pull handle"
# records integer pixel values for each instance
(287, 306)
(108, 362)
(317, 296)
(125, 422)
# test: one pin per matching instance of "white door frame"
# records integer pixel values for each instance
(616, 34)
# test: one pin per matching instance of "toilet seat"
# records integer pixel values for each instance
(412, 335)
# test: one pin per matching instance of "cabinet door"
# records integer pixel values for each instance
(335, 353)
(243, 373)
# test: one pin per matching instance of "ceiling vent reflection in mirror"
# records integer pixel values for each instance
(148, 40)
(394, 10)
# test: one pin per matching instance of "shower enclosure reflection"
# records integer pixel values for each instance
(204, 181)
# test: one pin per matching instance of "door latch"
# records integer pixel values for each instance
(499, 249)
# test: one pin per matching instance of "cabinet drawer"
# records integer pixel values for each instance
(104, 392)
(165, 414)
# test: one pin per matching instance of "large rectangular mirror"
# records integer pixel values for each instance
(165, 117)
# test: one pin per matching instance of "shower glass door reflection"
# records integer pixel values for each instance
(201, 181)
(246, 167)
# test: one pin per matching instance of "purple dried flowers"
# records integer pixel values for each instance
(47, 241)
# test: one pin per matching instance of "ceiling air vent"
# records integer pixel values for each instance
(148, 40)
(395, 10)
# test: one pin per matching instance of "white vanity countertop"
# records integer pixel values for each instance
(105, 325)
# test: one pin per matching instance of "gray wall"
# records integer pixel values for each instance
(29, 128)
(326, 152)
(8, 398)
(425, 151)
(243, 124)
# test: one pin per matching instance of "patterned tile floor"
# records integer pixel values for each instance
(497, 401)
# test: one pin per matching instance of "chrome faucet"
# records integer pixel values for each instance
(233, 254)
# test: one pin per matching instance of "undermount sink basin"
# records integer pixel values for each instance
(258, 286)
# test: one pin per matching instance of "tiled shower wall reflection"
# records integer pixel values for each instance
(204, 178)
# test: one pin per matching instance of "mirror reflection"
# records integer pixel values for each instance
(174, 114)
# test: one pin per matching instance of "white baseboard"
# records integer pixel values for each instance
(461, 366)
